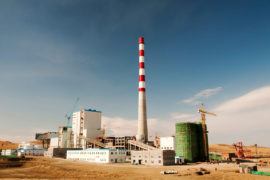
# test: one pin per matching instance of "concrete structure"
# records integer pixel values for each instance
(120, 142)
(54, 142)
(86, 123)
(63, 137)
(98, 155)
(153, 157)
(137, 145)
(45, 138)
(167, 143)
(142, 134)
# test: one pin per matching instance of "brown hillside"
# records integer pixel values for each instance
(249, 150)
(8, 145)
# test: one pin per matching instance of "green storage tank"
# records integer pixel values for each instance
(186, 139)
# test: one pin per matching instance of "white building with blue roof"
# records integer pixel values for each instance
(97, 155)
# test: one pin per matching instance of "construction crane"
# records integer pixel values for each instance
(239, 149)
(70, 115)
(203, 112)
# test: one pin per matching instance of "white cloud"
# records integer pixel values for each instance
(245, 118)
(254, 99)
(120, 126)
(182, 116)
(202, 94)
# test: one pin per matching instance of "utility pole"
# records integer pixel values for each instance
(256, 151)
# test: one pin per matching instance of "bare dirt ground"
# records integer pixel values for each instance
(46, 168)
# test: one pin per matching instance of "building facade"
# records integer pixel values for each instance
(86, 123)
(9, 152)
(27, 145)
(96, 155)
(31, 152)
(45, 138)
(167, 143)
(153, 157)
(62, 136)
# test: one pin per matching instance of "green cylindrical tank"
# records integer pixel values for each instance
(186, 139)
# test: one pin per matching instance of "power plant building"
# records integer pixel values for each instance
(96, 155)
(85, 123)
(63, 137)
(167, 143)
(153, 157)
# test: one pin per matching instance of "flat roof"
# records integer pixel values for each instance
(91, 110)
(98, 149)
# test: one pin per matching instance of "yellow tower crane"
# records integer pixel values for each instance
(203, 112)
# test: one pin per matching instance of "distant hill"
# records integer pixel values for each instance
(249, 150)
(8, 145)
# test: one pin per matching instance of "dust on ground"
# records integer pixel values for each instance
(47, 168)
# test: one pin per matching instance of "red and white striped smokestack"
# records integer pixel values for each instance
(142, 134)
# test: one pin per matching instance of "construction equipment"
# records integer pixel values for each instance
(141, 145)
(203, 112)
(70, 115)
(239, 149)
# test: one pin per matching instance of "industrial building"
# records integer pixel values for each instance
(64, 136)
(58, 152)
(31, 152)
(189, 141)
(54, 142)
(85, 123)
(167, 143)
(26, 145)
(31, 149)
(228, 156)
(153, 157)
(96, 155)
(45, 138)
(118, 142)
(9, 152)
(24, 149)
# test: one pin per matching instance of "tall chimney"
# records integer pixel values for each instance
(142, 134)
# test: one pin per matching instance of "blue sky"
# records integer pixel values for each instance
(52, 52)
